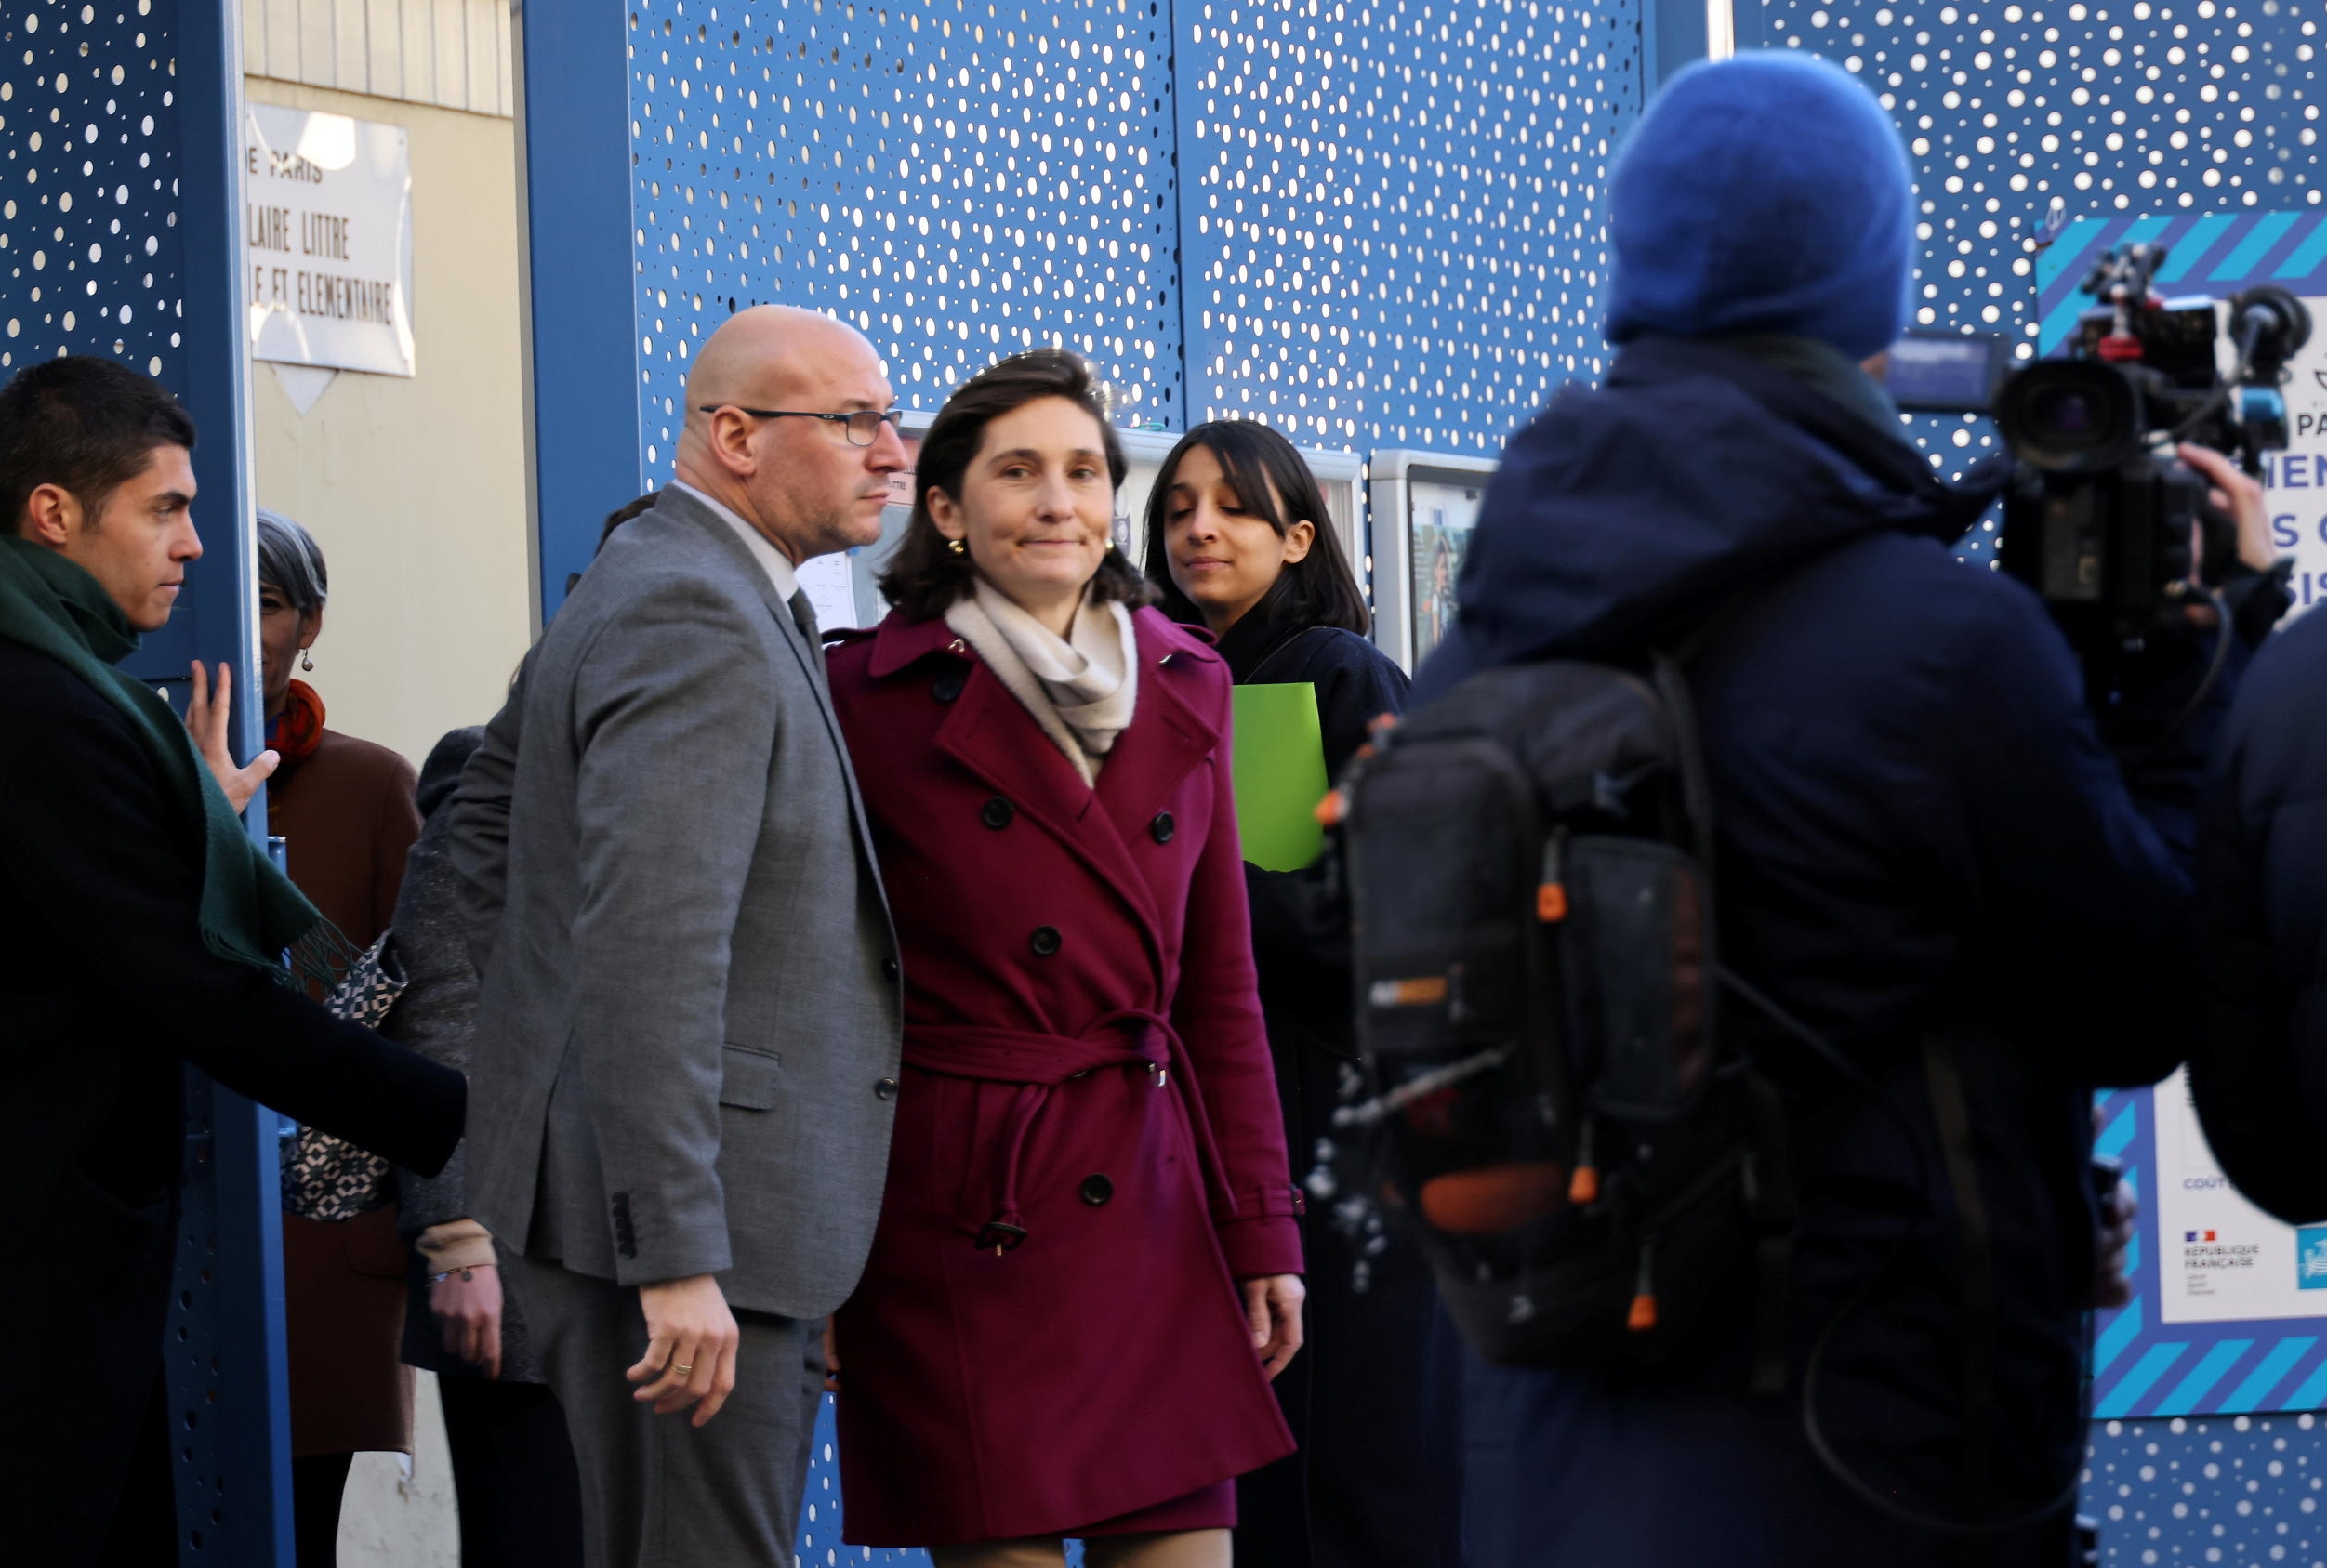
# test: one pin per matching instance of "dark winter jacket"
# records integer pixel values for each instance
(107, 992)
(435, 1015)
(1300, 923)
(1918, 825)
(1373, 1397)
(2259, 1071)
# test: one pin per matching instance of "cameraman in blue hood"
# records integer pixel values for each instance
(1921, 826)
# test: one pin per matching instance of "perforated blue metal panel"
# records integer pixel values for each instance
(2013, 112)
(2242, 1490)
(957, 179)
(1393, 214)
(88, 191)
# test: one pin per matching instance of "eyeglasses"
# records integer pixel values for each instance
(864, 426)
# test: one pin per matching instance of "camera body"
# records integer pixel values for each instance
(2100, 515)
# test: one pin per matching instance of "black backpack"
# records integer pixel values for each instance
(1529, 863)
(1591, 1158)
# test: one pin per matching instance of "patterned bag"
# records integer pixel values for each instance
(326, 1178)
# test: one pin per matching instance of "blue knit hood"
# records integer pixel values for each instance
(1623, 515)
(1764, 194)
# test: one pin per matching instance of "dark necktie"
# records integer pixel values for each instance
(804, 616)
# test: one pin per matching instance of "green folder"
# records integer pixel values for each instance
(1280, 777)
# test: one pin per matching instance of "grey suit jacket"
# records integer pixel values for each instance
(688, 1039)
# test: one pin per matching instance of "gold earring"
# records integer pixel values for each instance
(957, 546)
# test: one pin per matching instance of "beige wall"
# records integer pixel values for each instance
(452, 53)
(416, 487)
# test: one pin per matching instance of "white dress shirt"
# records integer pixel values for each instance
(771, 559)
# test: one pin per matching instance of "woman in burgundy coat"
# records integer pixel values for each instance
(1086, 1268)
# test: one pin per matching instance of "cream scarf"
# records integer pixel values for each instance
(1081, 689)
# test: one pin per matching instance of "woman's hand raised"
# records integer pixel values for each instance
(1272, 1305)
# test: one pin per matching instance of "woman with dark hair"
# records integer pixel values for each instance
(1239, 541)
(346, 811)
(1086, 1269)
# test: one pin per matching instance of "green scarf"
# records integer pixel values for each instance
(250, 911)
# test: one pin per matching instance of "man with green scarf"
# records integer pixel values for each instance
(140, 928)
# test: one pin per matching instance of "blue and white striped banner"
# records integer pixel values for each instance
(2215, 253)
(2144, 1366)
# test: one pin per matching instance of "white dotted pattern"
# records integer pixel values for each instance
(2228, 1489)
(1396, 231)
(2012, 111)
(959, 179)
(88, 187)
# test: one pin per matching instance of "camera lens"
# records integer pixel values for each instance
(2066, 415)
(2071, 415)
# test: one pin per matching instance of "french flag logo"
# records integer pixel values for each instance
(2198, 1235)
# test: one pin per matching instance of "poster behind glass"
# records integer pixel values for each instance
(1442, 518)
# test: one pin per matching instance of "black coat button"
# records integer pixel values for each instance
(998, 813)
(1161, 827)
(949, 681)
(889, 968)
(1044, 941)
(1097, 1190)
(886, 1089)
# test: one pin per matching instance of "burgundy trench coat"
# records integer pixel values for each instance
(1087, 1150)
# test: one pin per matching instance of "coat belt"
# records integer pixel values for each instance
(1038, 1063)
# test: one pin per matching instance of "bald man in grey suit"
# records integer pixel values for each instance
(687, 1045)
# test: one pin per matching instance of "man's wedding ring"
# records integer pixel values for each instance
(682, 1371)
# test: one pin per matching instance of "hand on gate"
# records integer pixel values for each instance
(206, 720)
(691, 1344)
(1272, 1305)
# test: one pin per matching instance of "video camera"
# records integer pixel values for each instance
(2098, 514)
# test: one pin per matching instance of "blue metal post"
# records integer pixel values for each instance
(229, 1378)
(581, 319)
(1675, 36)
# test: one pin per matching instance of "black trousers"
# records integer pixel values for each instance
(143, 1531)
(521, 1499)
(319, 1484)
(520, 1496)
(1569, 1473)
(1374, 1398)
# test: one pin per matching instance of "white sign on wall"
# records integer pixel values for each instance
(2295, 480)
(2221, 1259)
(327, 230)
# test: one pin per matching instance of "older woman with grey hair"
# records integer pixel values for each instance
(346, 811)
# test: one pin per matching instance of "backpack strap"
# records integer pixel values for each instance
(1975, 1269)
(1671, 685)
(1772, 1206)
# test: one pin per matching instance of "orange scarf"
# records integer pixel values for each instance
(294, 733)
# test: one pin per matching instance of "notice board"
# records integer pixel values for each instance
(2229, 1311)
